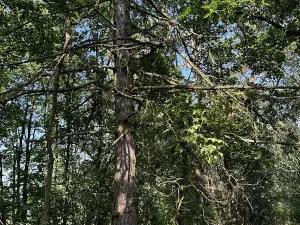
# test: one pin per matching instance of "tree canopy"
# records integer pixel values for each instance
(179, 112)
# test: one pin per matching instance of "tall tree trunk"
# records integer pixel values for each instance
(181, 215)
(66, 179)
(26, 169)
(19, 157)
(68, 153)
(125, 182)
(2, 200)
(13, 213)
(50, 163)
(51, 129)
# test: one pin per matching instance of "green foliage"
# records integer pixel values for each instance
(221, 7)
(203, 156)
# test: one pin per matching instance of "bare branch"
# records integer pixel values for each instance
(74, 134)
(214, 88)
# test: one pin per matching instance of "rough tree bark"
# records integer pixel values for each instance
(125, 182)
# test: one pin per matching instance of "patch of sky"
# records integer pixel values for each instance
(186, 72)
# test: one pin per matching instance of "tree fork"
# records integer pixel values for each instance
(125, 212)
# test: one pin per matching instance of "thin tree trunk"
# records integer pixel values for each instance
(99, 112)
(26, 169)
(50, 163)
(100, 149)
(14, 185)
(181, 215)
(68, 154)
(66, 180)
(18, 180)
(2, 203)
(19, 157)
(51, 130)
(125, 182)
